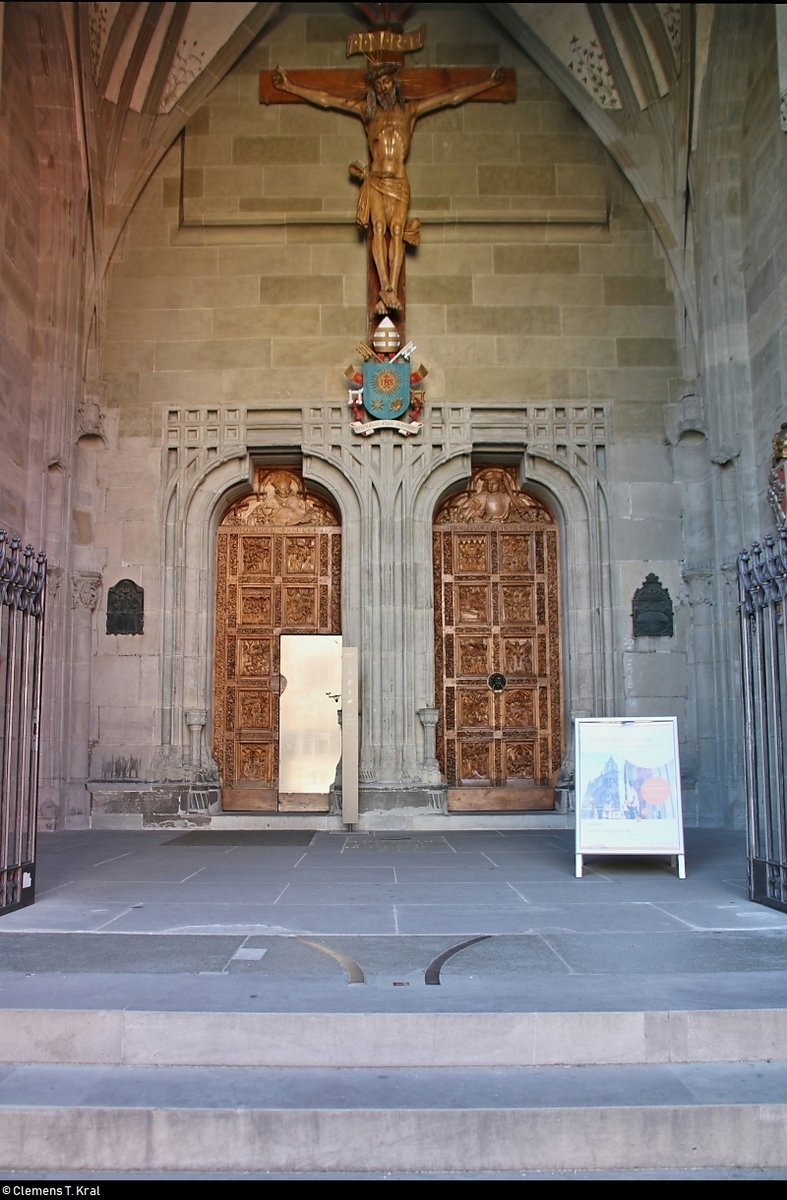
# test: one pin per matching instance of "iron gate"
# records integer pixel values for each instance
(22, 589)
(762, 580)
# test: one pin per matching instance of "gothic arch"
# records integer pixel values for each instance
(580, 506)
(194, 511)
(578, 503)
(192, 515)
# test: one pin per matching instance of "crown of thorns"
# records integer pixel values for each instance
(376, 70)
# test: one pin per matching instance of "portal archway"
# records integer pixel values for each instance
(278, 571)
(498, 655)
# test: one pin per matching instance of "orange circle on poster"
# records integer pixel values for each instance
(655, 790)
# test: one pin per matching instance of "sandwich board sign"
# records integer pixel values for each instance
(628, 798)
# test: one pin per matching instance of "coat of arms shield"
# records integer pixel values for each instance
(386, 390)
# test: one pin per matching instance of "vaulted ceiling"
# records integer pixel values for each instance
(147, 57)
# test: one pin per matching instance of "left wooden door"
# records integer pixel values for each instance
(278, 570)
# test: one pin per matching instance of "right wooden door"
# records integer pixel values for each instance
(497, 639)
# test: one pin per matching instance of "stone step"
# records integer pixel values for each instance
(227, 1119)
(360, 1039)
(113, 1090)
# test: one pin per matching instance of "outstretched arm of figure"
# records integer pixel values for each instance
(317, 96)
(458, 95)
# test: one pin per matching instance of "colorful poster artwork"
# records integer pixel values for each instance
(628, 786)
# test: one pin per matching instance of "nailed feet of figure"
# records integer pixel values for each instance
(388, 302)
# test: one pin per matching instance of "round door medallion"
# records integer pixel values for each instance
(496, 681)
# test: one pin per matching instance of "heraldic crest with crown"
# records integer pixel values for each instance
(386, 391)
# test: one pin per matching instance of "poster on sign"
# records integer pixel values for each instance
(628, 798)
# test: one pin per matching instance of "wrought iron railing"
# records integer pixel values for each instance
(762, 582)
(22, 593)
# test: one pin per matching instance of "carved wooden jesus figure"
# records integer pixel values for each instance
(389, 120)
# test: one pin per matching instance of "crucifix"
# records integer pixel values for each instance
(389, 99)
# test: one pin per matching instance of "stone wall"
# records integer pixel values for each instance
(763, 204)
(19, 251)
(539, 303)
(542, 307)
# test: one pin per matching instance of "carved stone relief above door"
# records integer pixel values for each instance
(497, 639)
(278, 570)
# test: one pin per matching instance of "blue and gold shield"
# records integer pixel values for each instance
(386, 390)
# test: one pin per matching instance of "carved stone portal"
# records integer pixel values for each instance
(278, 571)
(497, 638)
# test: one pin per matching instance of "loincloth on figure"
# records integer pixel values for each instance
(397, 190)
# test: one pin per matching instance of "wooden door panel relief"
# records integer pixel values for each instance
(278, 571)
(497, 640)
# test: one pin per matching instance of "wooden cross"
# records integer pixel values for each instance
(389, 99)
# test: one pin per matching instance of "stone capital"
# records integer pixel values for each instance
(85, 590)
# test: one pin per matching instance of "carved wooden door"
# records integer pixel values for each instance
(278, 571)
(497, 639)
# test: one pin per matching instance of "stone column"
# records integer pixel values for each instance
(85, 596)
(388, 739)
(430, 768)
(196, 719)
